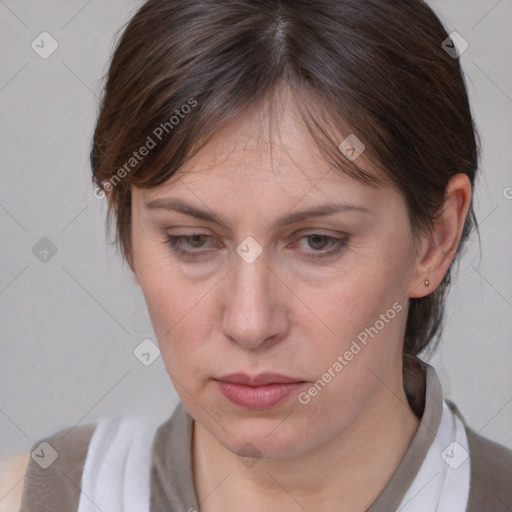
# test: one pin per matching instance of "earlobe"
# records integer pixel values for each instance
(439, 250)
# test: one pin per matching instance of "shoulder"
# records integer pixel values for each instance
(54, 472)
(491, 474)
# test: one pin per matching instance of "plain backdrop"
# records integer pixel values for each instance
(69, 325)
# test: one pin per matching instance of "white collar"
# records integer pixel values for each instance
(442, 483)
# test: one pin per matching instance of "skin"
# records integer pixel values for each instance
(12, 473)
(287, 313)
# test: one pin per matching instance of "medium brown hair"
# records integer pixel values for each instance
(377, 66)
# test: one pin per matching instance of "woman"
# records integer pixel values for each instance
(291, 183)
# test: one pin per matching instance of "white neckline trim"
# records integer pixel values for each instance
(442, 483)
(116, 475)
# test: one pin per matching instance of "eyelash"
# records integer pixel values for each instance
(173, 242)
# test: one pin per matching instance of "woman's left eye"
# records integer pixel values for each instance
(197, 241)
(337, 245)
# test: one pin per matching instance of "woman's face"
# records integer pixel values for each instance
(321, 300)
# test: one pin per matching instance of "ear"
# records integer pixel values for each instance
(438, 248)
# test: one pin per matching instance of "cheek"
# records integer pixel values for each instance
(351, 366)
(182, 319)
(165, 291)
(365, 312)
(353, 301)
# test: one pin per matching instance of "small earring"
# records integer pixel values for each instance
(426, 282)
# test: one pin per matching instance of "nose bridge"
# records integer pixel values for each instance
(251, 307)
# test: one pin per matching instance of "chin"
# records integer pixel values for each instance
(272, 434)
(262, 446)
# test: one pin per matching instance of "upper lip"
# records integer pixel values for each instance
(261, 379)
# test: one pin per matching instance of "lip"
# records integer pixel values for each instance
(261, 379)
(257, 391)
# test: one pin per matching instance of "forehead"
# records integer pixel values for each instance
(266, 158)
(262, 147)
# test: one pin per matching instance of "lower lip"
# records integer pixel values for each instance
(258, 397)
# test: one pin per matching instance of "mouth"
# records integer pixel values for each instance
(260, 391)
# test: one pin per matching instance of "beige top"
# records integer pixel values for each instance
(57, 488)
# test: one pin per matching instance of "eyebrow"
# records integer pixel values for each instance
(178, 205)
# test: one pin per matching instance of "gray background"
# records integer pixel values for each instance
(69, 326)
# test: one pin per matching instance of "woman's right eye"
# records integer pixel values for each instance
(175, 243)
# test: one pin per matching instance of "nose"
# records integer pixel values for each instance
(255, 315)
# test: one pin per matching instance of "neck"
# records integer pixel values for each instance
(348, 472)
